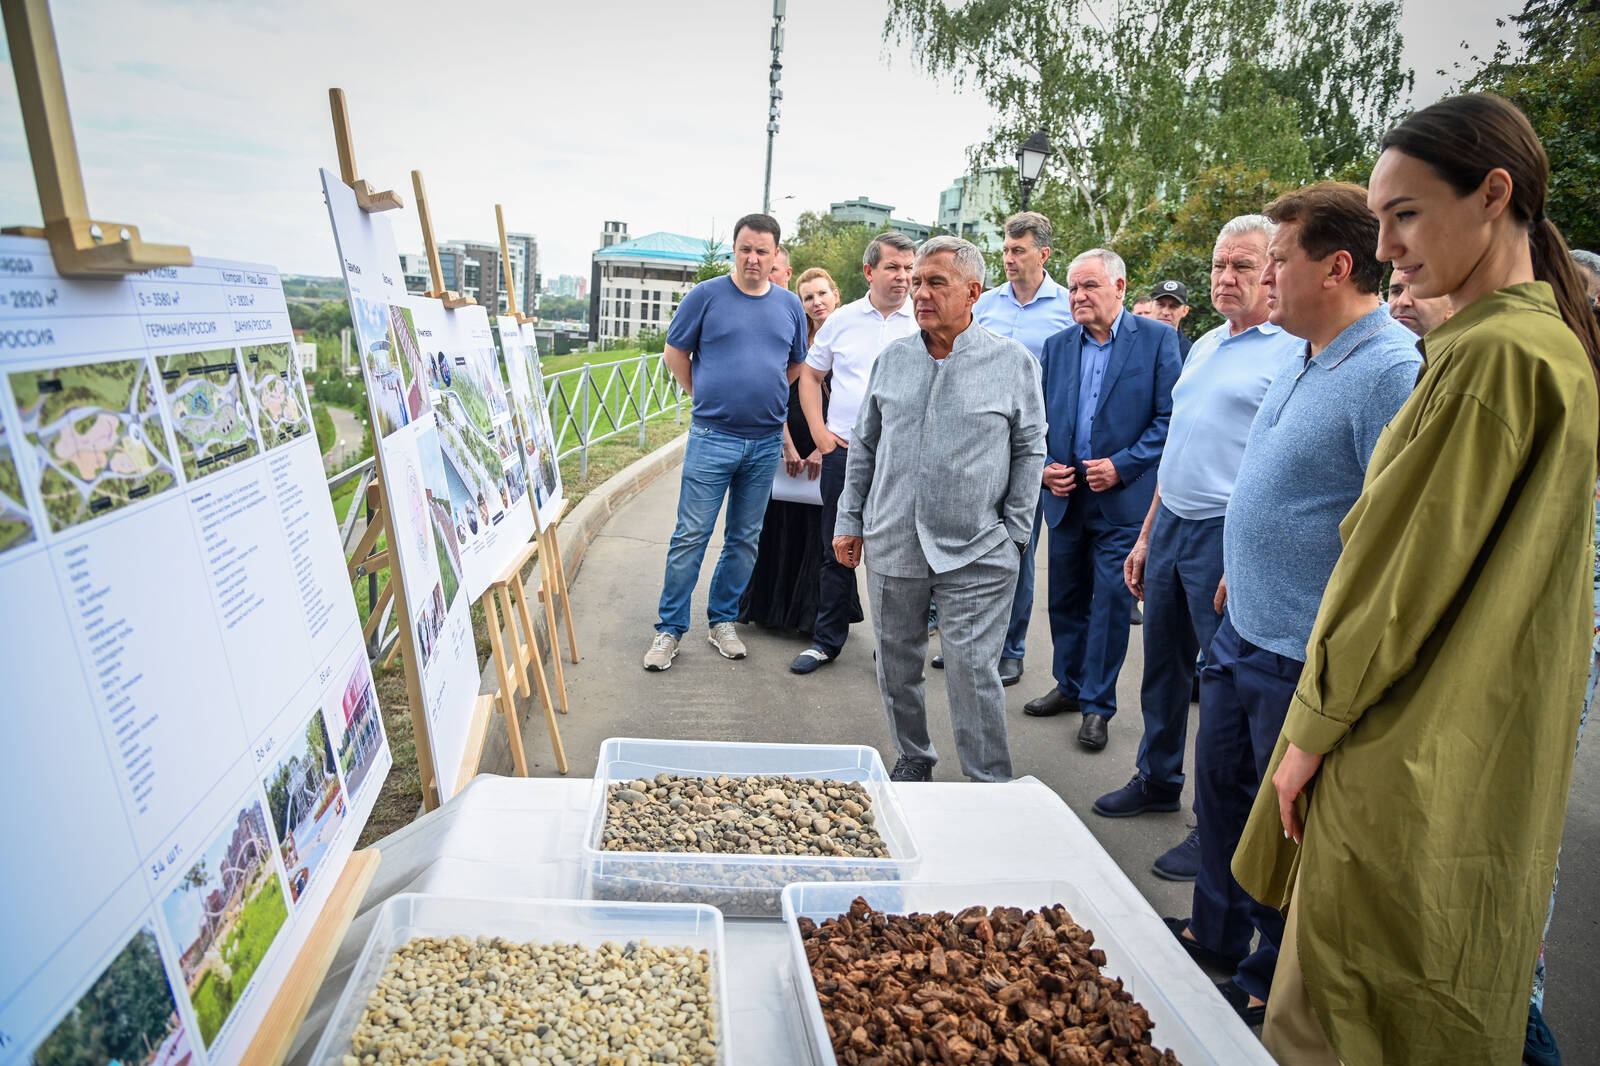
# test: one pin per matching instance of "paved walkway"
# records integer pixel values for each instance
(707, 697)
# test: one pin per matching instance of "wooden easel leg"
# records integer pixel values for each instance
(550, 621)
(388, 660)
(508, 693)
(516, 648)
(560, 576)
(549, 707)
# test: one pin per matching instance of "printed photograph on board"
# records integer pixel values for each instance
(224, 915)
(306, 803)
(280, 400)
(467, 439)
(429, 623)
(441, 513)
(210, 416)
(360, 725)
(97, 436)
(386, 382)
(128, 1016)
(16, 524)
(543, 470)
(403, 339)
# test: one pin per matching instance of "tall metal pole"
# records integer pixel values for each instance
(776, 95)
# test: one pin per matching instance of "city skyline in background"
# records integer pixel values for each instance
(567, 117)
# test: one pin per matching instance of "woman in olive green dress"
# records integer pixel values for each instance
(1413, 809)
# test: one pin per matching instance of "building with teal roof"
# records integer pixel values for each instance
(636, 282)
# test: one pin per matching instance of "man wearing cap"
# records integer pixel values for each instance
(1172, 306)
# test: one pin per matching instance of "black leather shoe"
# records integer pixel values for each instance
(1092, 733)
(1010, 671)
(1239, 1000)
(938, 661)
(1051, 704)
(1216, 960)
(911, 768)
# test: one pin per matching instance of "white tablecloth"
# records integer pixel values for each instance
(522, 837)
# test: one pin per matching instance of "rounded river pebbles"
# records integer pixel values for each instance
(757, 815)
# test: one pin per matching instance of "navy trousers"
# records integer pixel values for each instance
(1022, 600)
(835, 580)
(1244, 695)
(1090, 605)
(1180, 587)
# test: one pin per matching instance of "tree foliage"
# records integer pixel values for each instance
(712, 264)
(821, 240)
(122, 1017)
(1553, 75)
(563, 308)
(1144, 97)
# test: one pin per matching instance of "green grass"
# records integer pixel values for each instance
(247, 944)
(327, 435)
(613, 392)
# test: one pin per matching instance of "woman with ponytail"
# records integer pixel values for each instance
(1411, 816)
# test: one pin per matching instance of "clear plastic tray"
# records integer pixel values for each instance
(1195, 1023)
(744, 886)
(410, 915)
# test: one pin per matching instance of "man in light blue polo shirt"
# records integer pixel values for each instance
(1302, 470)
(1030, 307)
(1176, 563)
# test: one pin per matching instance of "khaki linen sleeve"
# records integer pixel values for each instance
(1410, 543)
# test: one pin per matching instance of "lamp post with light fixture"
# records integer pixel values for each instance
(1031, 157)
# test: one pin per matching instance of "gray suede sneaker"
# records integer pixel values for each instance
(663, 649)
(725, 638)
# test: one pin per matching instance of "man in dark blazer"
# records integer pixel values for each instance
(1107, 395)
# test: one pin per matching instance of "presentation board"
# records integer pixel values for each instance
(427, 557)
(460, 380)
(191, 740)
(532, 414)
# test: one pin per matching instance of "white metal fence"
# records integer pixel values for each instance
(598, 401)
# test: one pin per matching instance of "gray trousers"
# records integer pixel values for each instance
(974, 604)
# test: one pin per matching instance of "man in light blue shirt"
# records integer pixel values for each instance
(1303, 467)
(1176, 563)
(1030, 307)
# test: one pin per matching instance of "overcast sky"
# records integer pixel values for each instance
(204, 122)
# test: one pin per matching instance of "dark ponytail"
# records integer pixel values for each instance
(1552, 262)
(1463, 138)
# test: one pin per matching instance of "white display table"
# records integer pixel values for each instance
(505, 837)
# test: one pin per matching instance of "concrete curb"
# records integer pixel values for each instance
(576, 532)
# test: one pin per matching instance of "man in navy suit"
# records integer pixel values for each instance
(1107, 395)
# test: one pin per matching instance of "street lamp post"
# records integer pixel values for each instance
(775, 95)
(1031, 157)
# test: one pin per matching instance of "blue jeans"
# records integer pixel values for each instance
(1181, 573)
(717, 464)
(1244, 696)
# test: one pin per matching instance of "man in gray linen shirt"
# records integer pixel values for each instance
(944, 471)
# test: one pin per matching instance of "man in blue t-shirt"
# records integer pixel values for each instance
(735, 345)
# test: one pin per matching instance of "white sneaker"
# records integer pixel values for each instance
(725, 638)
(663, 649)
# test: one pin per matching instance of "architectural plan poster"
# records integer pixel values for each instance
(532, 417)
(191, 741)
(481, 462)
(430, 562)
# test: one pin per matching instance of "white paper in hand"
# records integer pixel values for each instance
(797, 489)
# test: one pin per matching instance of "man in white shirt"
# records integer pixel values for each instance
(847, 345)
